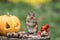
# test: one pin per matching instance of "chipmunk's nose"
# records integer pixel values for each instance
(31, 17)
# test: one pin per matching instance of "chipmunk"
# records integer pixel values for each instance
(31, 23)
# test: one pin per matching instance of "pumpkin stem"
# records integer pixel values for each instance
(8, 14)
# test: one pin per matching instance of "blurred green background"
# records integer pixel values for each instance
(46, 13)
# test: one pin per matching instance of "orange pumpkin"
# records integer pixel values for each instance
(8, 24)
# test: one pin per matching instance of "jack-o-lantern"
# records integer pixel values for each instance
(8, 24)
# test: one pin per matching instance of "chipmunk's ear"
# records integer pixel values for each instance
(31, 13)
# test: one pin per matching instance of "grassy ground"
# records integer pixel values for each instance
(45, 15)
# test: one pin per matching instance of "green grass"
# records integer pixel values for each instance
(21, 10)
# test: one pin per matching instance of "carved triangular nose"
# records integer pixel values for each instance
(7, 25)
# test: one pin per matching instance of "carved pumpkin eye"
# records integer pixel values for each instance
(7, 25)
(16, 25)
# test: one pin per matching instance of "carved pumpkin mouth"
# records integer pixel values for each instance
(8, 26)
